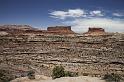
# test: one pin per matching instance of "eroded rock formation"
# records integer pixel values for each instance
(22, 29)
(95, 31)
(60, 29)
(90, 55)
(15, 29)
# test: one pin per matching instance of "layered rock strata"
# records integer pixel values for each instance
(90, 55)
(95, 31)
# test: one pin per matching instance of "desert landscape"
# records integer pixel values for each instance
(61, 40)
(92, 54)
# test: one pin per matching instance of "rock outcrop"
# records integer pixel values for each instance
(24, 29)
(94, 31)
(91, 55)
(15, 29)
(61, 29)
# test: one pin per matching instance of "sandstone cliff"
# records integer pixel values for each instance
(61, 29)
(95, 31)
(91, 55)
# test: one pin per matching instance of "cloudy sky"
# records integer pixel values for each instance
(80, 14)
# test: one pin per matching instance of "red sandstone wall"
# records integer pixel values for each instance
(60, 29)
(22, 29)
(96, 30)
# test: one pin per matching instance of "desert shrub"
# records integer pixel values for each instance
(58, 71)
(68, 73)
(112, 77)
(85, 74)
(71, 74)
(31, 74)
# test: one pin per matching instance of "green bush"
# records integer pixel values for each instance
(112, 77)
(68, 73)
(71, 74)
(31, 74)
(58, 71)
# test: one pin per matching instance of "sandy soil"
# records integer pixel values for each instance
(41, 78)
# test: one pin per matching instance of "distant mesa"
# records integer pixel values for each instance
(61, 29)
(21, 29)
(24, 29)
(95, 31)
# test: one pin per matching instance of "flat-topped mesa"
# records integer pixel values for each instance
(53, 30)
(96, 30)
(60, 29)
(26, 29)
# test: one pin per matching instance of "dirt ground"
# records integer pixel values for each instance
(41, 78)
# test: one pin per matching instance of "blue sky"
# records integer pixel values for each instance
(80, 14)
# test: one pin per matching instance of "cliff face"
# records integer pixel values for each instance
(90, 55)
(23, 29)
(60, 29)
(94, 31)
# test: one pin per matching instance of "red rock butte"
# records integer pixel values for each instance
(61, 29)
(95, 31)
(22, 29)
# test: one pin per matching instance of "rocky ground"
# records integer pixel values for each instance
(40, 78)
(91, 55)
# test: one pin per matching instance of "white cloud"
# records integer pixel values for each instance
(111, 25)
(59, 14)
(118, 14)
(74, 13)
(96, 13)
(83, 19)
